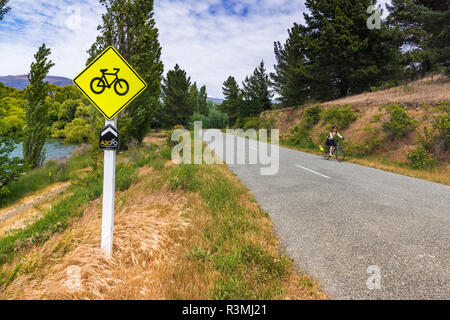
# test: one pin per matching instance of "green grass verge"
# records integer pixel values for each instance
(36, 179)
(247, 270)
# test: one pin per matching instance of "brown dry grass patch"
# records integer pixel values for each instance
(146, 235)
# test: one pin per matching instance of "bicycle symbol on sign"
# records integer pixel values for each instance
(99, 84)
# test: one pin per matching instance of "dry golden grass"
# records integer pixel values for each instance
(414, 94)
(148, 227)
(439, 174)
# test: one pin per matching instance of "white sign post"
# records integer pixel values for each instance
(110, 98)
(109, 183)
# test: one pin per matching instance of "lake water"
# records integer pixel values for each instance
(54, 149)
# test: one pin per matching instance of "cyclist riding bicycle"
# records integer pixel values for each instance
(331, 139)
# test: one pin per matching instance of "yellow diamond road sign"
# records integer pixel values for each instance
(110, 83)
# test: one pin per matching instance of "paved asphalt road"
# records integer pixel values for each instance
(339, 219)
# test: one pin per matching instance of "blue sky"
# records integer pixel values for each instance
(210, 39)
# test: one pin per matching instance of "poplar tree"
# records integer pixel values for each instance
(203, 101)
(37, 109)
(129, 26)
(193, 98)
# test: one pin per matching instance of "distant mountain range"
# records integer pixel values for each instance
(216, 100)
(21, 81)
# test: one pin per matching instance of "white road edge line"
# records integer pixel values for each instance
(314, 172)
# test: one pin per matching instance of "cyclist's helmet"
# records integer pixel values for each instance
(334, 127)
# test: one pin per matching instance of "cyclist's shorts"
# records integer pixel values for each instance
(331, 143)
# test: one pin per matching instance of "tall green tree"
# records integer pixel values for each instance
(193, 98)
(233, 99)
(129, 26)
(424, 28)
(291, 79)
(37, 109)
(177, 100)
(3, 8)
(256, 93)
(334, 53)
(203, 101)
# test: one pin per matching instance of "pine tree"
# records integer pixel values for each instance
(256, 93)
(290, 79)
(203, 101)
(334, 54)
(175, 92)
(233, 99)
(341, 46)
(425, 32)
(129, 26)
(37, 109)
(3, 8)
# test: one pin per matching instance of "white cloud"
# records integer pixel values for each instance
(210, 39)
(211, 47)
(31, 23)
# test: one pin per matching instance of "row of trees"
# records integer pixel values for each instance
(10, 168)
(127, 25)
(43, 110)
(253, 98)
(335, 54)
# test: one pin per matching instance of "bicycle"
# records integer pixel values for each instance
(121, 86)
(338, 152)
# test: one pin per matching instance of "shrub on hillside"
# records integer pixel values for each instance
(421, 159)
(400, 122)
(311, 116)
(251, 123)
(301, 133)
(301, 138)
(254, 123)
(442, 126)
(342, 116)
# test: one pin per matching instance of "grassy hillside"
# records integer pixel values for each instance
(403, 129)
